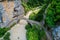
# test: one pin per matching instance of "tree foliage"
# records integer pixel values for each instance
(51, 11)
(52, 14)
(34, 34)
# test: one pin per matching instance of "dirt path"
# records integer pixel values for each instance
(18, 32)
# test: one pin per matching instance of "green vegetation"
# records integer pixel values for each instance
(3, 31)
(7, 36)
(31, 4)
(36, 17)
(33, 33)
(39, 15)
(53, 14)
(50, 9)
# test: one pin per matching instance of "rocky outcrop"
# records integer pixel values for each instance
(8, 11)
(56, 33)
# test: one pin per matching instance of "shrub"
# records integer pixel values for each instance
(33, 33)
(7, 36)
(3, 31)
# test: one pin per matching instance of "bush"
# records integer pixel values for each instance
(53, 14)
(3, 31)
(7, 36)
(31, 4)
(33, 33)
(35, 3)
(32, 16)
(36, 17)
